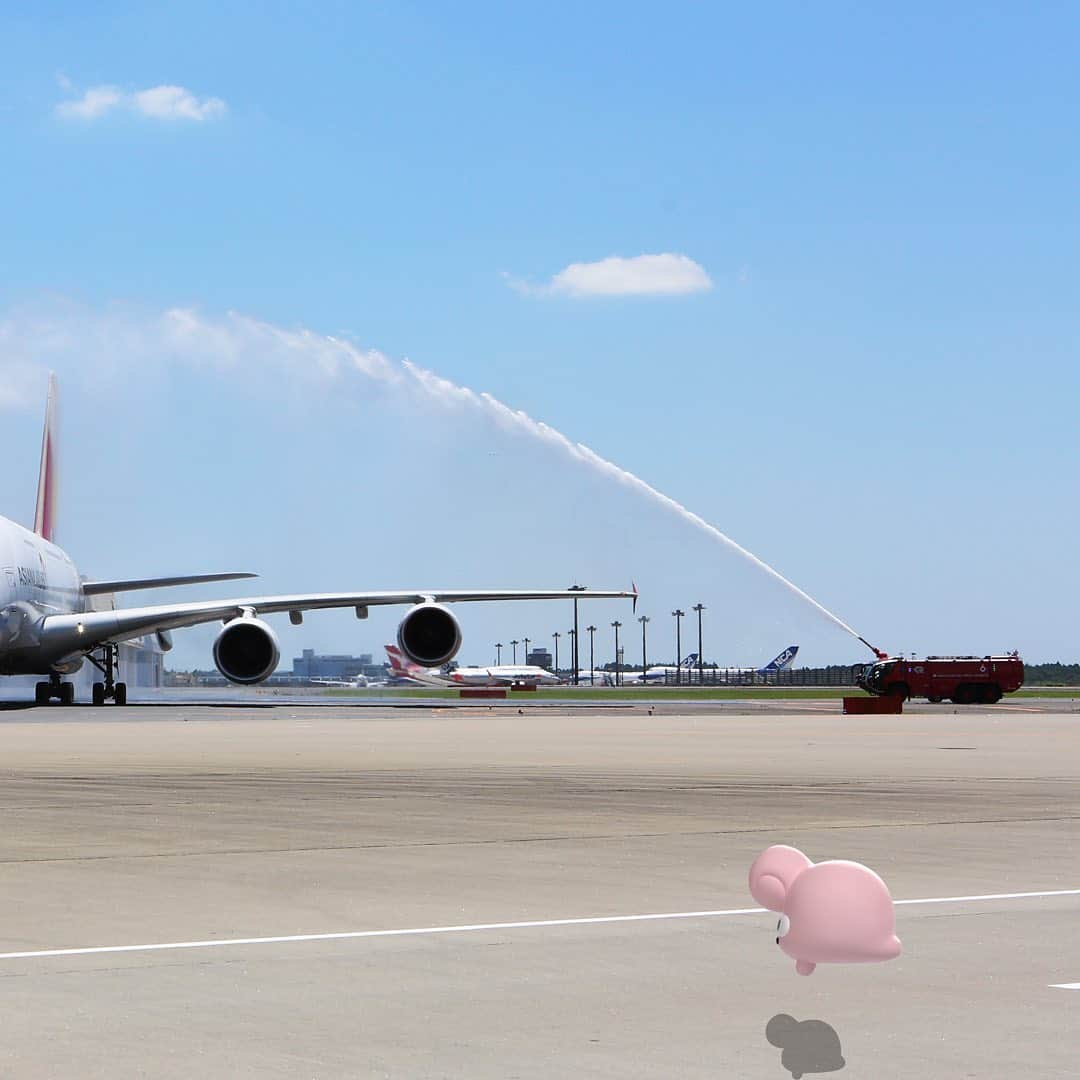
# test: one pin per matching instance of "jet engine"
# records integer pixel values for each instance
(246, 651)
(429, 635)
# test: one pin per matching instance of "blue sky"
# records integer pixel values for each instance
(876, 391)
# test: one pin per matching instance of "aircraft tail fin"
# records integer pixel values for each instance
(783, 661)
(689, 661)
(399, 665)
(45, 509)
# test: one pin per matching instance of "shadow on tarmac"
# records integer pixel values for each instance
(808, 1046)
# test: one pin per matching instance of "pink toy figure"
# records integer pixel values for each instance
(835, 912)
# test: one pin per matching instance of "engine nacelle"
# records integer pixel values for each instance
(246, 651)
(429, 635)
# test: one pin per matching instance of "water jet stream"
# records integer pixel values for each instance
(515, 419)
(183, 335)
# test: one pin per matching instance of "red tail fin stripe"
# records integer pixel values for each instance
(45, 510)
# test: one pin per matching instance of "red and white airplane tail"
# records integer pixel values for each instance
(401, 667)
(45, 510)
(397, 661)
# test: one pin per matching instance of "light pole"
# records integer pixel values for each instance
(498, 653)
(699, 608)
(525, 658)
(576, 588)
(515, 645)
(556, 636)
(616, 624)
(572, 633)
(643, 619)
(592, 662)
(678, 613)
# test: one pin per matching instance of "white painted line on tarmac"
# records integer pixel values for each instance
(417, 931)
(344, 935)
(1065, 986)
(991, 896)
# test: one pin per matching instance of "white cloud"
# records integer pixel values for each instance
(174, 102)
(643, 275)
(95, 102)
(157, 102)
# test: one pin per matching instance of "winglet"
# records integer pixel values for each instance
(634, 590)
(45, 508)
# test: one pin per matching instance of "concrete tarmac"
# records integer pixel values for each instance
(190, 824)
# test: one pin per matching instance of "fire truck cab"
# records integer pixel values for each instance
(964, 680)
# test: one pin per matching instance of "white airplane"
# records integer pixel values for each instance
(359, 683)
(690, 665)
(48, 625)
(659, 673)
(595, 678)
(497, 675)
(780, 662)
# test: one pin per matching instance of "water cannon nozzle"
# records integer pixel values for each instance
(876, 651)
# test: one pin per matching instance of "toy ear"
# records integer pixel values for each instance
(773, 872)
(780, 1029)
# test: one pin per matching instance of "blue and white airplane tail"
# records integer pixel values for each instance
(689, 661)
(781, 662)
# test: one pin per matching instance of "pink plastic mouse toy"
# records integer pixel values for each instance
(835, 912)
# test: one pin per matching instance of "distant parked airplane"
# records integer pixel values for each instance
(496, 675)
(659, 673)
(690, 664)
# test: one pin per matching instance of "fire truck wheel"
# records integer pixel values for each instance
(963, 694)
(900, 690)
(990, 694)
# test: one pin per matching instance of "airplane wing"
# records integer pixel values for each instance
(82, 631)
(96, 588)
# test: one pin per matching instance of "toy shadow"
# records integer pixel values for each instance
(808, 1046)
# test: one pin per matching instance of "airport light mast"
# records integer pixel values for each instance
(616, 624)
(572, 634)
(556, 636)
(592, 662)
(525, 658)
(498, 653)
(577, 666)
(515, 645)
(699, 608)
(643, 619)
(678, 613)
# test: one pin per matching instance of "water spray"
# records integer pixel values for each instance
(515, 419)
(184, 334)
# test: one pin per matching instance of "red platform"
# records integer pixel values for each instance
(482, 691)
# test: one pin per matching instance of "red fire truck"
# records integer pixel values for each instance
(965, 680)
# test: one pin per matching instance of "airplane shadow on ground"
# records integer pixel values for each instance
(808, 1046)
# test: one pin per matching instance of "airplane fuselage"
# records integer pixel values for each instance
(37, 579)
(504, 674)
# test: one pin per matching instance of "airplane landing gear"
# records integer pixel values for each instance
(44, 692)
(107, 663)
